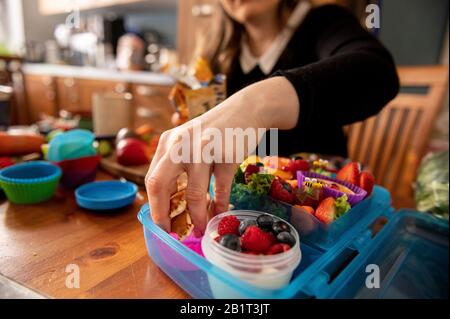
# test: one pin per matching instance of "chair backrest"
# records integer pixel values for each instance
(392, 143)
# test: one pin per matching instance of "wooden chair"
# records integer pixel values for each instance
(392, 143)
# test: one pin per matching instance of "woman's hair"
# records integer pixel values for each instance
(222, 45)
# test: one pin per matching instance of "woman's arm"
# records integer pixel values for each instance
(354, 77)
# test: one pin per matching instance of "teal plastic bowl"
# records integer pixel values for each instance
(30, 183)
(71, 145)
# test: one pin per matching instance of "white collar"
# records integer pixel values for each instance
(268, 60)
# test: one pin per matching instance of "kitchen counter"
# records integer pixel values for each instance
(87, 72)
(38, 242)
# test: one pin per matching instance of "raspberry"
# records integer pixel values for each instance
(257, 240)
(228, 225)
(277, 248)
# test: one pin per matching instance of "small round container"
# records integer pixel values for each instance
(264, 271)
(30, 183)
(106, 195)
(79, 171)
(71, 145)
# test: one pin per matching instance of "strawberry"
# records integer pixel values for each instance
(366, 181)
(326, 210)
(296, 165)
(349, 173)
(228, 225)
(280, 190)
(308, 209)
(257, 240)
(277, 248)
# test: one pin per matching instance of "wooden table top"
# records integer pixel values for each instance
(37, 242)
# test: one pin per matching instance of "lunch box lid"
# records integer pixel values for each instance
(407, 259)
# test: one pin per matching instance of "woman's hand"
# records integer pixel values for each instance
(267, 104)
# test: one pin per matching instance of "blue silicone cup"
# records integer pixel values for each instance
(106, 195)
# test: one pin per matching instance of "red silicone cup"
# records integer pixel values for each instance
(353, 199)
(79, 171)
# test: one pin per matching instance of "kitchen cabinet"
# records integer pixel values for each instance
(88, 87)
(40, 96)
(67, 92)
(75, 95)
(46, 94)
(152, 105)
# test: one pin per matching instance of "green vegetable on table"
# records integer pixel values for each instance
(432, 186)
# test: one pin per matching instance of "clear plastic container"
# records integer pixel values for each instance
(263, 271)
(311, 230)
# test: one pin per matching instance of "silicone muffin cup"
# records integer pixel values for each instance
(358, 193)
(79, 171)
(30, 183)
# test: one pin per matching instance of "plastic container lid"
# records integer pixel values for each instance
(106, 195)
(411, 257)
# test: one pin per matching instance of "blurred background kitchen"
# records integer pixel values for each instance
(56, 55)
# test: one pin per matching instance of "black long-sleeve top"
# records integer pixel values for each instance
(341, 73)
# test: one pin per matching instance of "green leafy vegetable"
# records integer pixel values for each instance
(242, 197)
(260, 183)
(342, 205)
(432, 187)
(239, 176)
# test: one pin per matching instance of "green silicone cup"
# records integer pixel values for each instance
(30, 193)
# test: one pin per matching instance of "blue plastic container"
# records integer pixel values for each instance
(106, 195)
(311, 230)
(337, 272)
(412, 255)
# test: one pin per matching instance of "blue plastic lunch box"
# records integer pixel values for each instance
(409, 256)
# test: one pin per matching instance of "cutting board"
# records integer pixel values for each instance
(134, 174)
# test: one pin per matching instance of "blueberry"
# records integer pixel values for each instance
(244, 224)
(231, 241)
(265, 221)
(286, 238)
(279, 227)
